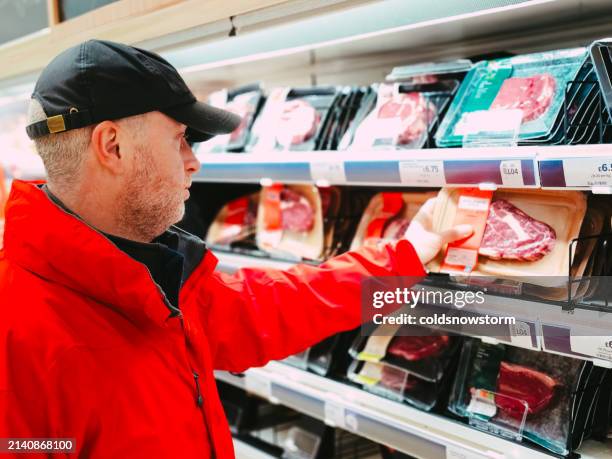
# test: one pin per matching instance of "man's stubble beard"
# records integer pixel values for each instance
(148, 206)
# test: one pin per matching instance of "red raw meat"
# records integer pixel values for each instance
(415, 111)
(298, 122)
(396, 228)
(532, 94)
(513, 235)
(520, 383)
(245, 110)
(297, 213)
(397, 379)
(417, 347)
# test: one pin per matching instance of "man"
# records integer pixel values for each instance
(113, 320)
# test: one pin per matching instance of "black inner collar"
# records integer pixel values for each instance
(164, 257)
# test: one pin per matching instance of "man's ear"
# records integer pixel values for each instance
(105, 146)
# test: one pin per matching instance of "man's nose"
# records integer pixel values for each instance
(192, 163)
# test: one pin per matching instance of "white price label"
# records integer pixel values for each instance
(520, 334)
(595, 346)
(329, 172)
(512, 173)
(422, 172)
(456, 452)
(259, 386)
(335, 415)
(591, 172)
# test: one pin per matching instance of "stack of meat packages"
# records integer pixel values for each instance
(404, 112)
(555, 94)
(407, 364)
(545, 398)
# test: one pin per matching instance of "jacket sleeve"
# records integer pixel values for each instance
(257, 315)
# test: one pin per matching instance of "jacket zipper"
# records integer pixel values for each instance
(199, 399)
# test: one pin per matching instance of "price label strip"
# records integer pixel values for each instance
(456, 452)
(260, 386)
(335, 415)
(599, 347)
(588, 172)
(422, 173)
(512, 173)
(520, 335)
(329, 172)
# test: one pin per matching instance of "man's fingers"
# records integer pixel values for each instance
(456, 233)
(425, 213)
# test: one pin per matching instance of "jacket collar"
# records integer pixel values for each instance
(57, 246)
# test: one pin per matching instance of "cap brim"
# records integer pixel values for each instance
(203, 121)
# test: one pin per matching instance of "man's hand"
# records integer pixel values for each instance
(428, 243)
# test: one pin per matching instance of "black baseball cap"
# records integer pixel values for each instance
(101, 80)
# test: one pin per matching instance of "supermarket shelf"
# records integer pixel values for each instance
(407, 429)
(580, 167)
(547, 326)
(497, 167)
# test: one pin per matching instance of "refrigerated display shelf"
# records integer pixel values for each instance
(577, 167)
(545, 326)
(399, 426)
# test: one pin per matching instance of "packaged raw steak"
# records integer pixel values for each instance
(235, 222)
(511, 234)
(245, 102)
(395, 383)
(292, 119)
(519, 393)
(423, 353)
(526, 234)
(290, 221)
(388, 216)
(402, 115)
(535, 84)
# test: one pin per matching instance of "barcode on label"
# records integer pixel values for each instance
(472, 203)
(461, 257)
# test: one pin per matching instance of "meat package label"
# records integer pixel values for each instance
(422, 172)
(591, 172)
(599, 347)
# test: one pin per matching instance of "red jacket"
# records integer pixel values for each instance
(88, 350)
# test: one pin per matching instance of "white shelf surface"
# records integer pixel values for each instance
(400, 426)
(243, 450)
(550, 327)
(580, 167)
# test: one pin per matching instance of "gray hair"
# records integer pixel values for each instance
(63, 153)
